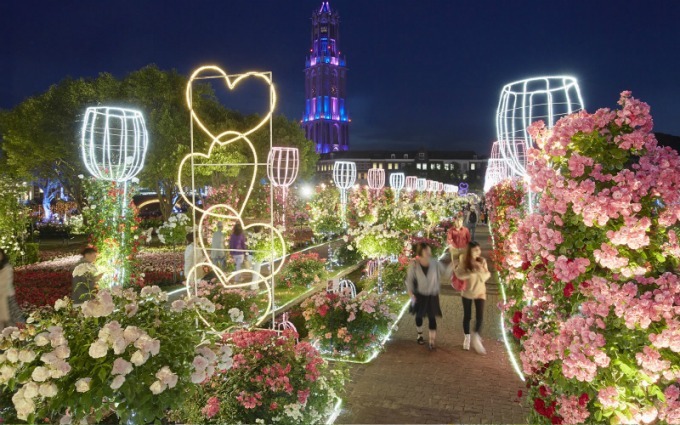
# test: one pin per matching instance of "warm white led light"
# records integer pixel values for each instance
(113, 142)
(281, 171)
(397, 181)
(376, 178)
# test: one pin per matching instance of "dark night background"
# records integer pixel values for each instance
(422, 72)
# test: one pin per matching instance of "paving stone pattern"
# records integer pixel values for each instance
(408, 384)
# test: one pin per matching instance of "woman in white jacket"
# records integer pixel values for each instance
(472, 268)
(423, 281)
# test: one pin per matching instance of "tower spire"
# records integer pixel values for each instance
(325, 120)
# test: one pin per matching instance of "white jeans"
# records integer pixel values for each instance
(238, 259)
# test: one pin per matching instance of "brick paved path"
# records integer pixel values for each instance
(409, 384)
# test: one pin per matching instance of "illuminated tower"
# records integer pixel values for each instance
(326, 120)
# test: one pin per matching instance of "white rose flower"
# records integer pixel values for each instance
(198, 377)
(31, 390)
(132, 333)
(40, 374)
(62, 352)
(138, 358)
(131, 309)
(22, 405)
(83, 385)
(12, 355)
(60, 303)
(65, 420)
(48, 390)
(117, 382)
(98, 349)
(121, 367)
(7, 372)
(26, 356)
(157, 387)
(178, 306)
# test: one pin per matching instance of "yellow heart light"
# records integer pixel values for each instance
(224, 211)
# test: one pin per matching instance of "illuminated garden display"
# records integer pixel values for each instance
(344, 176)
(591, 274)
(376, 179)
(397, 181)
(114, 142)
(282, 169)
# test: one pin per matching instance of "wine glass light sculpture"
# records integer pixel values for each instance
(432, 186)
(397, 183)
(282, 169)
(411, 183)
(523, 102)
(421, 184)
(376, 179)
(113, 144)
(440, 187)
(344, 176)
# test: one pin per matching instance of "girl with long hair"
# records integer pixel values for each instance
(473, 269)
(423, 278)
(237, 247)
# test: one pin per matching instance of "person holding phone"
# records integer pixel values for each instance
(473, 269)
(423, 278)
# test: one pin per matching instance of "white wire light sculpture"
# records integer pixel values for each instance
(440, 187)
(347, 287)
(397, 183)
(282, 169)
(114, 142)
(411, 183)
(421, 185)
(523, 102)
(376, 179)
(432, 186)
(344, 176)
(449, 188)
(285, 324)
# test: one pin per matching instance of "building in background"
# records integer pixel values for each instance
(325, 120)
(445, 166)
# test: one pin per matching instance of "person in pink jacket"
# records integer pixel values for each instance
(457, 238)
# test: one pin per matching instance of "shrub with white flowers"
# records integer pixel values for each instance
(120, 352)
(174, 231)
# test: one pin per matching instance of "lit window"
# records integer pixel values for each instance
(439, 166)
(472, 166)
(431, 166)
(389, 166)
(375, 165)
(446, 166)
(396, 166)
(418, 165)
(380, 165)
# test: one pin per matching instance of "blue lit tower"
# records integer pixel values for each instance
(325, 120)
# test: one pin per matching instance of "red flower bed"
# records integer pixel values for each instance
(40, 288)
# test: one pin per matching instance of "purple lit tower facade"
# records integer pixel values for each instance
(326, 121)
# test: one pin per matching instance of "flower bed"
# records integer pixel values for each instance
(601, 337)
(39, 288)
(303, 269)
(122, 353)
(346, 327)
(232, 306)
(273, 379)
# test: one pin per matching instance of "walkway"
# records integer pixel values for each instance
(409, 384)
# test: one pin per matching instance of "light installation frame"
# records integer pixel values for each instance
(344, 177)
(411, 183)
(283, 165)
(233, 213)
(376, 179)
(516, 106)
(397, 182)
(94, 138)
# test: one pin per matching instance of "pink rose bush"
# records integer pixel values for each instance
(272, 379)
(598, 325)
(347, 327)
(120, 352)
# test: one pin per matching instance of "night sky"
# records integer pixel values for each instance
(421, 72)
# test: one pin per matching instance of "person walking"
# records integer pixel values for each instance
(237, 247)
(85, 276)
(472, 222)
(217, 253)
(457, 239)
(423, 283)
(189, 260)
(473, 269)
(10, 313)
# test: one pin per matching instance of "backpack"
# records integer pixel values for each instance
(473, 217)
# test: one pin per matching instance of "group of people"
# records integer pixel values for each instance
(236, 247)
(468, 272)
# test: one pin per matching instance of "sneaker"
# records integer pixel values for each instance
(420, 340)
(466, 342)
(477, 344)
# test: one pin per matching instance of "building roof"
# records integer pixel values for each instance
(412, 154)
